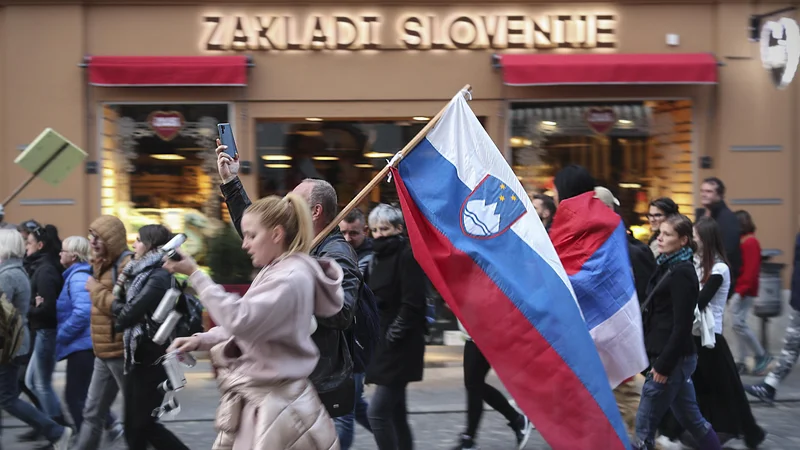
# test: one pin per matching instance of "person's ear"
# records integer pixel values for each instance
(278, 234)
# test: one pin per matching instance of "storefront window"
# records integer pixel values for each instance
(159, 167)
(638, 150)
(346, 154)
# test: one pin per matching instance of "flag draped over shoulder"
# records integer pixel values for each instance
(592, 243)
(476, 234)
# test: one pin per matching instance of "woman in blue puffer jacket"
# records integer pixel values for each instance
(74, 341)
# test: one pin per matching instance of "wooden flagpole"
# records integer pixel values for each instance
(383, 173)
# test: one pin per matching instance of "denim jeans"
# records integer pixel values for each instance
(678, 395)
(107, 379)
(12, 404)
(388, 418)
(746, 339)
(39, 376)
(80, 366)
(346, 425)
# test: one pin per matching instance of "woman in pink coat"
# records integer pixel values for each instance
(261, 346)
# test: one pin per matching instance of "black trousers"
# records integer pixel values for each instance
(476, 367)
(142, 396)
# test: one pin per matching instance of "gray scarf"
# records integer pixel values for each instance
(136, 274)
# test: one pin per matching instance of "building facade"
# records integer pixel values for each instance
(332, 89)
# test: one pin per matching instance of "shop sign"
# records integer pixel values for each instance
(354, 32)
(780, 50)
(166, 124)
(600, 120)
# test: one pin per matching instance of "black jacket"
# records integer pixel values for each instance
(46, 281)
(669, 316)
(795, 298)
(643, 264)
(400, 286)
(141, 311)
(364, 254)
(328, 336)
(731, 235)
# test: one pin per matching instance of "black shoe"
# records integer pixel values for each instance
(467, 443)
(522, 430)
(29, 436)
(752, 441)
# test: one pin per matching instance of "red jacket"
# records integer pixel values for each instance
(747, 283)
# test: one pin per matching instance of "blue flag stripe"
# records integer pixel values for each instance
(599, 289)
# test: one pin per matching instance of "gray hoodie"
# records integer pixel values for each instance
(15, 285)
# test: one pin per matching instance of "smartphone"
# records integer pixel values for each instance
(226, 138)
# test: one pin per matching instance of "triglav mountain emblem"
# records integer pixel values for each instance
(490, 209)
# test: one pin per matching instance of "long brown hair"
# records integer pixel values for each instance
(708, 232)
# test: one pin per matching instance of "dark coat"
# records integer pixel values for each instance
(731, 235)
(795, 299)
(399, 285)
(46, 281)
(669, 316)
(128, 314)
(329, 338)
(643, 264)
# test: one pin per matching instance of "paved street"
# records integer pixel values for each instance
(437, 412)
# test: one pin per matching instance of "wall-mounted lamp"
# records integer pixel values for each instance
(92, 168)
(754, 26)
(245, 167)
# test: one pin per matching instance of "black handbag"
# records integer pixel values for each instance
(338, 392)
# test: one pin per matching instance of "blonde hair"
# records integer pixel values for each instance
(292, 213)
(12, 245)
(78, 246)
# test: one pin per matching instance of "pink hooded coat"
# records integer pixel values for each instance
(264, 354)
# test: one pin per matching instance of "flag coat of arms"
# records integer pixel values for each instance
(476, 234)
(592, 243)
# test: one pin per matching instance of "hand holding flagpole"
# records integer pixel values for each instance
(467, 90)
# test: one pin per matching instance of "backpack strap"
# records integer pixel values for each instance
(115, 266)
(69, 291)
(649, 298)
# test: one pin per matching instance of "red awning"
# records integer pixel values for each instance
(663, 68)
(144, 71)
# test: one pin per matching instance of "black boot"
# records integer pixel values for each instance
(753, 439)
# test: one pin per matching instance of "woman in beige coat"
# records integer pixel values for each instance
(262, 347)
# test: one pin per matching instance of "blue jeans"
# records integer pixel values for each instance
(39, 377)
(677, 394)
(12, 404)
(346, 425)
(388, 417)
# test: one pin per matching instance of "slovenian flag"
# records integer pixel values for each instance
(476, 234)
(592, 243)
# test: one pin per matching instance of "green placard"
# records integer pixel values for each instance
(53, 150)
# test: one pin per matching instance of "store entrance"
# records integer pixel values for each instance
(159, 167)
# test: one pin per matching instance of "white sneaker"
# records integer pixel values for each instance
(63, 442)
(666, 444)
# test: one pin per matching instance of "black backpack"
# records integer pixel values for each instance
(191, 313)
(366, 326)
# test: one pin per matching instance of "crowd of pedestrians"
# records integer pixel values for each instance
(320, 321)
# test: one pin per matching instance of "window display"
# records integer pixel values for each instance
(159, 166)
